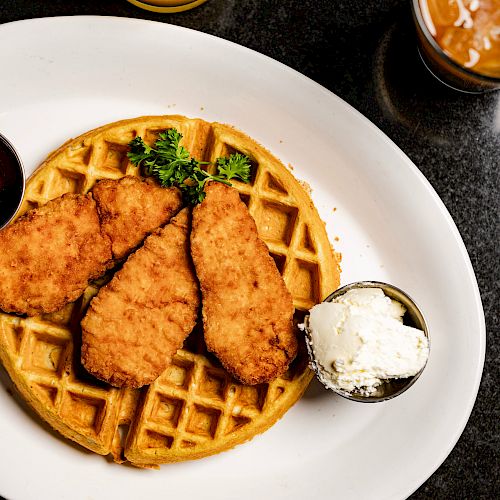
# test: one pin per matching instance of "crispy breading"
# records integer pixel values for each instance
(139, 320)
(130, 209)
(48, 256)
(247, 310)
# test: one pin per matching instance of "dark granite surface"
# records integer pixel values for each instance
(364, 51)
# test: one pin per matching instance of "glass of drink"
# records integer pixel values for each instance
(459, 41)
(167, 6)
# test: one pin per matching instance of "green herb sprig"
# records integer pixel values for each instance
(172, 165)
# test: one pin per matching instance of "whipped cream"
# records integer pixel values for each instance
(359, 341)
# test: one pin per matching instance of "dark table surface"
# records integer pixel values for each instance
(364, 51)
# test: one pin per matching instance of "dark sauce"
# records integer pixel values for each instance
(11, 182)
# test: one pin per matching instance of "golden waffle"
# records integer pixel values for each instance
(195, 408)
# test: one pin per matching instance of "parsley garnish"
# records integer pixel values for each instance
(172, 165)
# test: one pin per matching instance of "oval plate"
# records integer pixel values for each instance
(62, 76)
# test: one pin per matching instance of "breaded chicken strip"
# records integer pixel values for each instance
(130, 209)
(139, 320)
(247, 310)
(48, 256)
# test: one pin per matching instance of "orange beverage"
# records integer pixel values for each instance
(460, 41)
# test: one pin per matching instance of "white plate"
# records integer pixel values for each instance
(63, 76)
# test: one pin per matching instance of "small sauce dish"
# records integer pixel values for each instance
(390, 388)
(12, 181)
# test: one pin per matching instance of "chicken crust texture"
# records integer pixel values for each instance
(130, 209)
(48, 256)
(139, 320)
(247, 309)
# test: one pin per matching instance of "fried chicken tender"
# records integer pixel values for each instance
(48, 256)
(139, 320)
(131, 209)
(247, 310)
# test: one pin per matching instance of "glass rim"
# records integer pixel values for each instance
(166, 9)
(437, 48)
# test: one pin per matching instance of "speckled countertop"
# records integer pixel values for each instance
(364, 51)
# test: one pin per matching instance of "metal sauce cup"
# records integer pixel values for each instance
(12, 181)
(413, 317)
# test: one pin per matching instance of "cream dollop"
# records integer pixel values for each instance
(359, 340)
